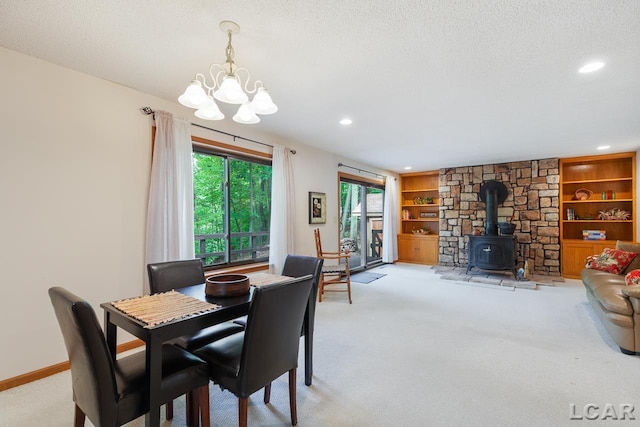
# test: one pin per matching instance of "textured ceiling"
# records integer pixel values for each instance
(429, 84)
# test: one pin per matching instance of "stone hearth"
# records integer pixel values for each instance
(495, 278)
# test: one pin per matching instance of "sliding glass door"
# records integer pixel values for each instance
(361, 213)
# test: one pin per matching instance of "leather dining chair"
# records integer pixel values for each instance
(333, 273)
(112, 392)
(298, 266)
(165, 276)
(244, 363)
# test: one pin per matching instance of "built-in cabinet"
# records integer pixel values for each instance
(419, 214)
(597, 197)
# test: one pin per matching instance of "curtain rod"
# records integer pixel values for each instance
(361, 170)
(148, 111)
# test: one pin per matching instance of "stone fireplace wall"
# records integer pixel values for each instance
(533, 205)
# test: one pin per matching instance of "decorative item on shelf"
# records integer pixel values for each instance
(428, 214)
(417, 201)
(428, 200)
(227, 86)
(614, 214)
(582, 194)
(587, 216)
(420, 231)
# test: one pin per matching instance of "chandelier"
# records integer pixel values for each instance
(227, 86)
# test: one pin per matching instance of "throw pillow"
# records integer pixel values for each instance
(630, 247)
(632, 278)
(613, 260)
(590, 260)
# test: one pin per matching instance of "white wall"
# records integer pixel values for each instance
(74, 169)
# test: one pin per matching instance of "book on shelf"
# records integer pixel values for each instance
(571, 215)
(594, 234)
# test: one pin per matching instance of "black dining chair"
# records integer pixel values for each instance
(112, 392)
(298, 266)
(165, 276)
(245, 363)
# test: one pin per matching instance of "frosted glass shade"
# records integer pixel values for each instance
(230, 92)
(245, 115)
(262, 103)
(209, 111)
(194, 95)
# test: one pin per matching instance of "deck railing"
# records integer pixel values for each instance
(255, 251)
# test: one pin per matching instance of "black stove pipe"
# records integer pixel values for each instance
(491, 202)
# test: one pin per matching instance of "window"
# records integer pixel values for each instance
(232, 207)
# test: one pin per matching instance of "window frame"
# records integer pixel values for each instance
(228, 152)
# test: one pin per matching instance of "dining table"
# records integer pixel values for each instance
(180, 312)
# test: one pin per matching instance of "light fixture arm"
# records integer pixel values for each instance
(256, 84)
(230, 85)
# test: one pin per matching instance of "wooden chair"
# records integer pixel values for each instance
(333, 273)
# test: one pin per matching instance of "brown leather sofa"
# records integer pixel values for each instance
(617, 305)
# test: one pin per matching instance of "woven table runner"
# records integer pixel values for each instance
(261, 279)
(164, 307)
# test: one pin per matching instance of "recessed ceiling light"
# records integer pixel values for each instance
(346, 122)
(407, 168)
(603, 147)
(591, 67)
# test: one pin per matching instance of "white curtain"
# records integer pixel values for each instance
(170, 210)
(390, 221)
(281, 236)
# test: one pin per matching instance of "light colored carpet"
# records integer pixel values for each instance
(415, 350)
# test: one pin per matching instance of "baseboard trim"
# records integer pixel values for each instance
(54, 369)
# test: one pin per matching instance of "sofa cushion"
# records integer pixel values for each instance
(612, 261)
(607, 289)
(630, 247)
(613, 300)
(593, 279)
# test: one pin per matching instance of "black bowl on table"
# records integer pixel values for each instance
(227, 285)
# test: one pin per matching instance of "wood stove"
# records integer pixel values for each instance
(492, 251)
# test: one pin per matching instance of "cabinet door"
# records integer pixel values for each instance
(405, 248)
(417, 249)
(574, 255)
(429, 251)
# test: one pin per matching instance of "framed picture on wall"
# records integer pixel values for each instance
(317, 208)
